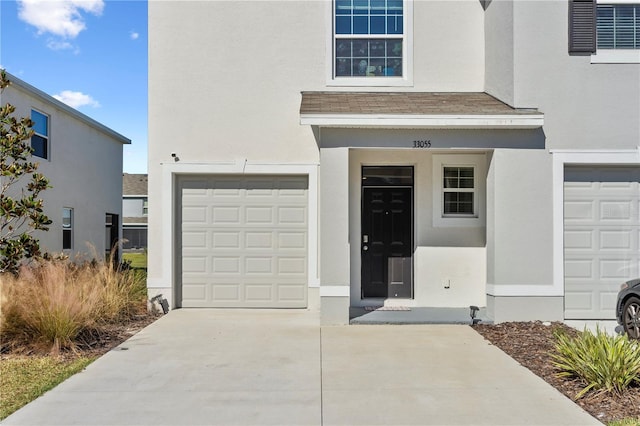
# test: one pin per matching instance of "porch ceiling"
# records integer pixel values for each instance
(457, 110)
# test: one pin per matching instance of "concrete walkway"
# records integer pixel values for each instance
(267, 367)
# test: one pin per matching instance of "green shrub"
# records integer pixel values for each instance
(603, 362)
(53, 302)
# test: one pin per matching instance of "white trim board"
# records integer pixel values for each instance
(505, 121)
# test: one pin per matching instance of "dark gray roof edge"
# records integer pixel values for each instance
(15, 81)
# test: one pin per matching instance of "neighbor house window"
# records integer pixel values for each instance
(40, 138)
(67, 228)
(370, 39)
(458, 191)
(145, 207)
(618, 26)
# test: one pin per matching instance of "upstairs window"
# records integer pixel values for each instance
(370, 41)
(40, 138)
(618, 26)
(145, 207)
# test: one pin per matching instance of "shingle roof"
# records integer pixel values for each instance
(134, 220)
(134, 184)
(409, 103)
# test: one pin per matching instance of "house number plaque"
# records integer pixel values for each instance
(422, 143)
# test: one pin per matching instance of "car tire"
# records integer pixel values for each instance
(631, 317)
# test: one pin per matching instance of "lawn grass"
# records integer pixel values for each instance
(138, 260)
(625, 422)
(26, 378)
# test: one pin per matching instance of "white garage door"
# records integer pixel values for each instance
(244, 241)
(601, 238)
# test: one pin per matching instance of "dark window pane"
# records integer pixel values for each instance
(361, 7)
(377, 48)
(66, 239)
(377, 7)
(377, 25)
(39, 145)
(387, 175)
(343, 7)
(343, 67)
(466, 172)
(343, 48)
(40, 123)
(343, 24)
(458, 203)
(394, 25)
(394, 48)
(361, 25)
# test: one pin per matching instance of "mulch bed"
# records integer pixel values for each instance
(92, 343)
(530, 343)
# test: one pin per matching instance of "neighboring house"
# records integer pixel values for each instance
(351, 153)
(135, 208)
(83, 161)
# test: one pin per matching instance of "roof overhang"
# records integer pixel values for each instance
(424, 121)
(412, 110)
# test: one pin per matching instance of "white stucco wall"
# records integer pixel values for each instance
(225, 79)
(84, 169)
(586, 105)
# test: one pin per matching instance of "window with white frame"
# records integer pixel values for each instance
(67, 228)
(370, 40)
(145, 207)
(40, 138)
(618, 26)
(459, 190)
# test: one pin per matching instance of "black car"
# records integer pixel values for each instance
(628, 308)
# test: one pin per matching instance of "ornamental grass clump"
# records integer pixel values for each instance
(51, 303)
(603, 362)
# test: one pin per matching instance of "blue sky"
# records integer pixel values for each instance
(90, 54)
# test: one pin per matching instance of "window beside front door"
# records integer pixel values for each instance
(459, 187)
(458, 191)
(371, 42)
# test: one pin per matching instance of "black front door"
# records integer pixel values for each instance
(386, 244)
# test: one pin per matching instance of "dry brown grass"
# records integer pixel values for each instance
(50, 303)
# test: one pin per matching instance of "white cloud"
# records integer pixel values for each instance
(59, 45)
(76, 99)
(63, 18)
(134, 35)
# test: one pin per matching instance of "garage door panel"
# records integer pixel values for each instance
(292, 240)
(244, 242)
(259, 215)
(194, 215)
(225, 215)
(579, 239)
(260, 240)
(226, 240)
(616, 239)
(602, 233)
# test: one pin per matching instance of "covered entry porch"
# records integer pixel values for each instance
(413, 168)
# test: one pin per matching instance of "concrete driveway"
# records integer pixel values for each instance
(279, 367)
